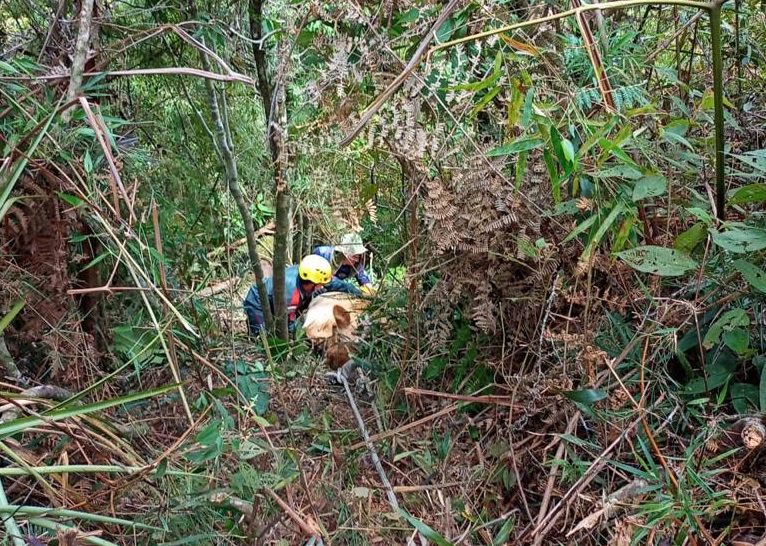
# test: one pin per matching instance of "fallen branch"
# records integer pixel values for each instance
(370, 446)
(404, 428)
(554, 472)
(222, 498)
(488, 399)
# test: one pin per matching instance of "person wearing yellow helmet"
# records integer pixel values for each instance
(302, 282)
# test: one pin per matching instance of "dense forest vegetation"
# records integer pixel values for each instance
(563, 206)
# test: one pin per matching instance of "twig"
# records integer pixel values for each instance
(427, 487)
(404, 428)
(310, 530)
(370, 446)
(116, 180)
(487, 399)
(552, 476)
(664, 45)
(544, 526)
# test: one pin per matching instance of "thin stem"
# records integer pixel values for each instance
(715, 35)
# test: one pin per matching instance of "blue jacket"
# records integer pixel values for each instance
(296, 299)
(344, 271)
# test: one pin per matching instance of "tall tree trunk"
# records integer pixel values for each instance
(225, 146)
(80, 54)
(276, 132)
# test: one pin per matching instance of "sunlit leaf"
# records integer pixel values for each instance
(649, 186)
(752, 193)
(666, 262)
(519, 145)
(740, 239)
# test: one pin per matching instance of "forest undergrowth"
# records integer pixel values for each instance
(564, 212)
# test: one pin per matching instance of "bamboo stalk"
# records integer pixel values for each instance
(720, 162)
(17, 539)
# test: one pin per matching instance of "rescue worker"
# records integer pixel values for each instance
(347, 256)
(302, 282)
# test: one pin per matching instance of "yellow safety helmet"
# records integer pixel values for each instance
(315, 269)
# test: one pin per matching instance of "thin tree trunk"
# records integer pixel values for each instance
(308, 236)
(225, 147)
(282, 230)
(275, 134)
(298, 236)
(80, 54)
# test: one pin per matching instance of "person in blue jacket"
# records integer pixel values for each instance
(311, 277)
(351, 251)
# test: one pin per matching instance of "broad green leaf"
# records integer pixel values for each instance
(553, 173)
(558, 149)
(717, 374)
(445, 31)
(586, 396)
(740, 239)
(674, 138)
(738, 340)
(688, 240)
(425, 530)
(568, 149)
(526, 113)
(70, 199)
(755, 276)
(519, 145)
(701, 214)
(752, 193)
(726, 322)
(8, 68)
(677, 127)
(620, 171)
(649, 186)
(505, 532)
(744, 397)
(657, 260)
(755, 159)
